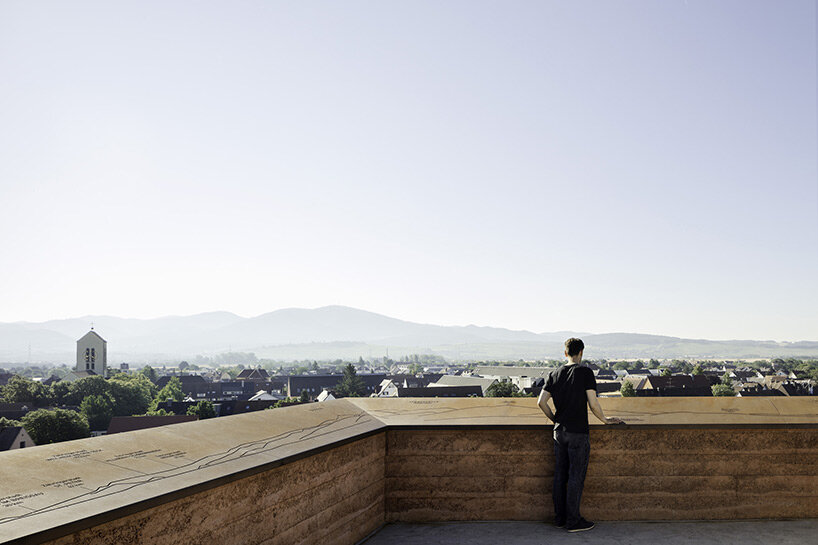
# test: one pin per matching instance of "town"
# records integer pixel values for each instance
(43, 405)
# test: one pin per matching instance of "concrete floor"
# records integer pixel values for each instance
(796, 532)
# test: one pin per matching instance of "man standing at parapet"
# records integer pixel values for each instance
(573, 388)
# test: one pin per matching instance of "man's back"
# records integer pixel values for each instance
(567, 385)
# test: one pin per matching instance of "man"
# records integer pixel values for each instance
(573, 388)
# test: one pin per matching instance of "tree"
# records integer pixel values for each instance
(132, 394)
(52, 426)
(22, 390)
(681, 366)
(149, 373)
(98, 410)
(61, 391)
(172, 391)
(232, 371)
(305, 396)
(351, 385)
(88, 386)
(59, 372)
(697, 369)
(9, 423)
(666, 372)
(627, 389)
(725, 389)
(502, 389)
(722, 390)
(203, 409)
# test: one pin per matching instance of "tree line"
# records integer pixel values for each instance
(64, 411)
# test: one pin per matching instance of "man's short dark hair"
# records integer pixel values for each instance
(574, 346)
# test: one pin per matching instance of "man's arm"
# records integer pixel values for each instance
(542, 402)
(596, 408)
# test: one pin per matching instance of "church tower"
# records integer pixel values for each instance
(92, 354)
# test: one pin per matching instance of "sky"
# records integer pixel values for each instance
(622, 166)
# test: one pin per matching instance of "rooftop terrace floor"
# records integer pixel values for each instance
(634, 533)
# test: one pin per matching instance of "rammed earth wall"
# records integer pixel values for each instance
(658, 473)
(428, 475)
(335, 496)
(335, 472)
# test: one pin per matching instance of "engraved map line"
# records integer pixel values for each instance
(250, 448)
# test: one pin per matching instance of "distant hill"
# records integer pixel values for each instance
(343, 332)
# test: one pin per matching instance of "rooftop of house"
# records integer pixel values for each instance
(411, 381)
(83, 373)
(464, 380)
(253, 374)
(120, 424)
(442, 391)
(185, 380)
(503, 371)
(8, 436)
(679, 381)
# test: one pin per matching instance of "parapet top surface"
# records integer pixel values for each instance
(681, 411)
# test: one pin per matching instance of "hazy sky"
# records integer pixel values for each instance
(594, 166)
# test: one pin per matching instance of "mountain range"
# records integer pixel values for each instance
(342, 332)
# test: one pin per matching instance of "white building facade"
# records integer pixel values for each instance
(92, 354)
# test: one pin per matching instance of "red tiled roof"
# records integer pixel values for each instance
(121, 424)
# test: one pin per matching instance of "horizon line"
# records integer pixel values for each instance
(565, 331)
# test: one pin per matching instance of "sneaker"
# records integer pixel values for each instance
(559, 523)
(581, 526)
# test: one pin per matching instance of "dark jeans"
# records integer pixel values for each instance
(571, 452)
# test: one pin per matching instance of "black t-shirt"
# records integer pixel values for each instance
(567, 385)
